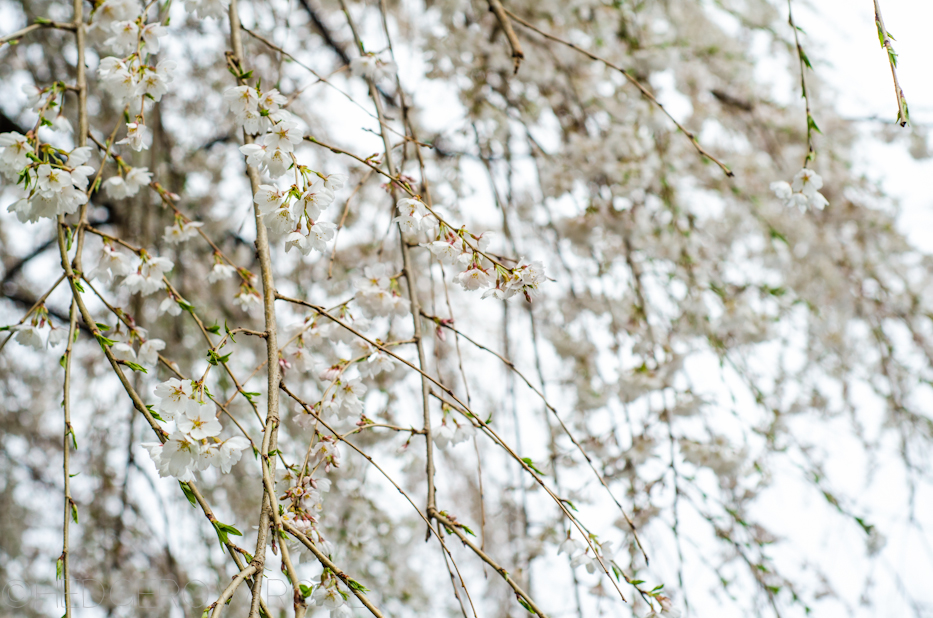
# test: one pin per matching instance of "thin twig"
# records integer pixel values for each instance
(38, 26)
(218, 605)
(804, 62)
(903, 116)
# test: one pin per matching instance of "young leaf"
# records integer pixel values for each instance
(188, 494)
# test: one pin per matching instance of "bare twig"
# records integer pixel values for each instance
(56, 25)
(218, 605)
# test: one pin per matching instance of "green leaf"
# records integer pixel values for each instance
(305, 590)
(102, 326)
(811, 125)
(213, 357)
(62, 360)
(103, 341)
(467, 530)
(154, 414)
(74, 512)
(59, 567)
(221, 534)
(224, 529)
(805, 59)
(135, 366)
(355, 585)
(618, 573)
(531, 464)
(524, 604)
(188, 494)
(214, 329)
(777, 235)
(43, 21)
(78, 286)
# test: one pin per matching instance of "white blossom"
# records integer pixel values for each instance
(807, 181)
(443, 435)
(148, 276)
(154, 82)
(284, 136)
(174, 396)
(181, 231)
(473, 278)
(29, 335)
(219, 272)
(151, 33)
(198, 421)
(148, 353)
(125, 34)
(170, 306)
(14, 154)
(247, 299)
(138, 136)
(372, 67)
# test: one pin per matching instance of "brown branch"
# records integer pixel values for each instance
(501, 14)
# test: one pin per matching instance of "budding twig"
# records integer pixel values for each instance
(903, 116)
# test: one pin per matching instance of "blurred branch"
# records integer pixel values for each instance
(10, 38)
(499, 11)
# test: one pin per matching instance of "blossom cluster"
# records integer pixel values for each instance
(378, 292)
(193, 444)
(55, 181)
(468, 251)
(329, 595)
(143, 274)
(580, 555)
(148, 352)
(371, 66)
(30, 332)
(131, 82)
(451, 434)
(320, 347)
(293, 212)
(803, 192)
(128, 77)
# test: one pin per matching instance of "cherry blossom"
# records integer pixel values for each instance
(138, 136)
(198, 422)
(219, 272)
